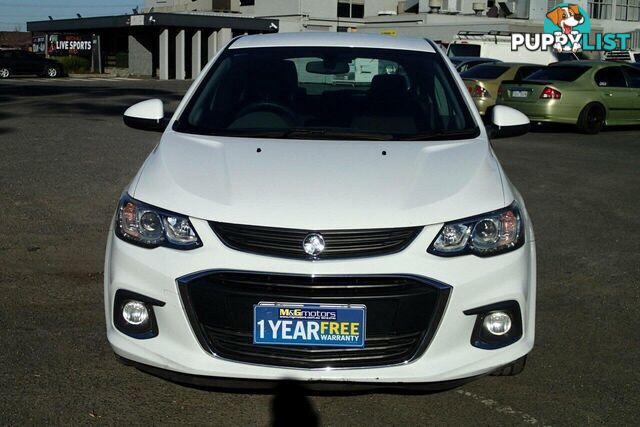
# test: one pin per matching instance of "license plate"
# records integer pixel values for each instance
(519, 93)
(309, 324)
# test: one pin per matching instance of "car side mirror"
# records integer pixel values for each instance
(507, 122)
(146, 115)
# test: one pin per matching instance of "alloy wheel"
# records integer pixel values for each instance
(595, 117)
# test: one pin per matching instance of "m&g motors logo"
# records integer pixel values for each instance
(567, 28)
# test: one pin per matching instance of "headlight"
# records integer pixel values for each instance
(150, 227)
(485, 235)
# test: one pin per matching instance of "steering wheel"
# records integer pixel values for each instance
(280, 109)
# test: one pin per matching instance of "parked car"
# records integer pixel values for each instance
(588, 94)
(288, 227)
(464, 63)
(631, 56)
(484, 80)
(14, 62)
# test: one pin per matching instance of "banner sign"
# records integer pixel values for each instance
(70, 44)
(39, 45)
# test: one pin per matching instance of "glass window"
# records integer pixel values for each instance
(628, 10)
(463, 49)
(558, 73)
(329, 93)
(600, 9)
(633, 76)
(524, 72)
(357, 10)
(350, 9)
(485, 71)
(344, 10)
(610, 77)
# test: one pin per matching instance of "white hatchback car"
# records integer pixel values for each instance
(323, 208)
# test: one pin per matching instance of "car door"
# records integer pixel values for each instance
(633, 81)
(619, 99)
(17, 62)
(33, 64)
(5, 58)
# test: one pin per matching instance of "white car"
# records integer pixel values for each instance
(300, 221)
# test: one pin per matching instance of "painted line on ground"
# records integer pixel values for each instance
(503, 409)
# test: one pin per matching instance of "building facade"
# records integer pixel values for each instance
(175, 38)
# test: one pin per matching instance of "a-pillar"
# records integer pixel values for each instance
(180, 55)
(163, 63)
(196, 54)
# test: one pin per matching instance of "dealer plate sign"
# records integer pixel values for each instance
(309, 324)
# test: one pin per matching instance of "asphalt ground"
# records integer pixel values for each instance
(65, 157)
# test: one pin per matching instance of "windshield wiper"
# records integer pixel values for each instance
(443, 135)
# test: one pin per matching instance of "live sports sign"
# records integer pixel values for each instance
(70, 44)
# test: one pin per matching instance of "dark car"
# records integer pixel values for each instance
(13, 62)
(464, 63)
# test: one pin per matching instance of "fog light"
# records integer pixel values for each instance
(497, 322)
(135, 313)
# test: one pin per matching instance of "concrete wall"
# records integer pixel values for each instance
(444, 27)
(277, 7)
(141, 54)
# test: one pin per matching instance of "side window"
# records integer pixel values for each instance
(610, 77)
(633, 76)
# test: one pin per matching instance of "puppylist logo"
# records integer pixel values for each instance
(567, 28)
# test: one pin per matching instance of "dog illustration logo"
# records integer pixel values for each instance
(566, 17)
(571, 21)
(567, 28)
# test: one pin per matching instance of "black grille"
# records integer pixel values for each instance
(287, 242)
(403, 313)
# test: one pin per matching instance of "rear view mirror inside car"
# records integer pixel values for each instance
(327, 67)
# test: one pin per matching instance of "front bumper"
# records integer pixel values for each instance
(474, 282)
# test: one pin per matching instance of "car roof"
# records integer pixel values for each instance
(308, 39)
(583, 63)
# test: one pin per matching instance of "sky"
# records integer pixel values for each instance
(15, 13)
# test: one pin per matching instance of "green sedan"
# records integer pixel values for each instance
(482, 81)
(588, 94)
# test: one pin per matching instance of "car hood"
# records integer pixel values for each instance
(311, 184)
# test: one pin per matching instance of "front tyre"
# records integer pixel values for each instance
(513, 368)
(5, 73)
(52, 72)
(591, 119)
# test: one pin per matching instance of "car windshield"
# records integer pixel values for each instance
(329, 93)
(558, 73)
(485, 71)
